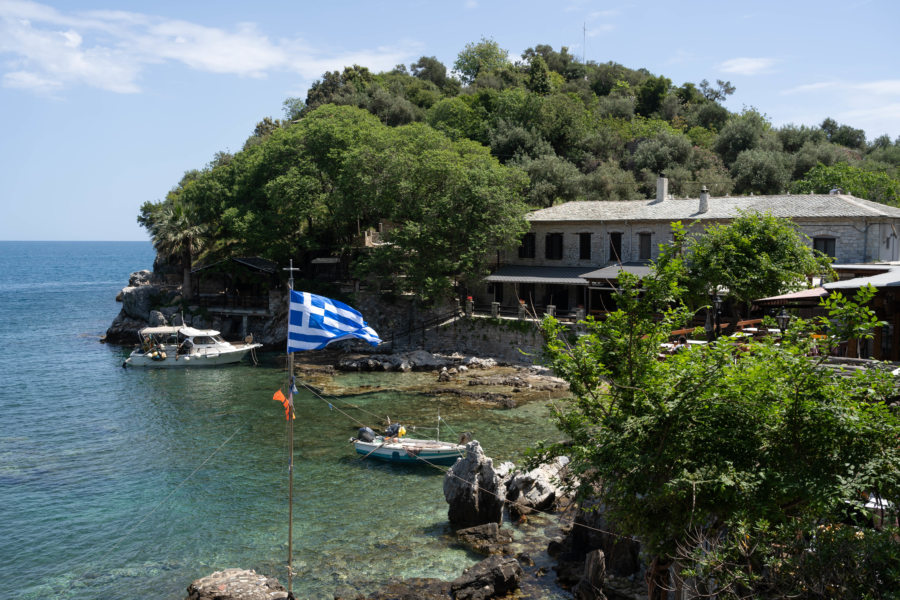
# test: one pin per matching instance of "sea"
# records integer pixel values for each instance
(123, 483)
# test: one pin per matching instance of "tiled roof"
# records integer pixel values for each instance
(726, 207)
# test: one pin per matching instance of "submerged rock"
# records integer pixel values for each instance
(236, 584)
(491, 578)
(489, 538)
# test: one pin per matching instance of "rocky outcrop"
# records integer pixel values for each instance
(417, 360)
(491, 578)
(474, 490)
(489, 538)
(236, 584)
(538, 489)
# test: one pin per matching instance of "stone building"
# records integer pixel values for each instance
(573, 252)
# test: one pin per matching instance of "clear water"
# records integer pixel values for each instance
(120, 483)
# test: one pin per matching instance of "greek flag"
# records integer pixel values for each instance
(316, 321)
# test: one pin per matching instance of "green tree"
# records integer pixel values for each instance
(477, 58)
(727, 459)
(878, 187)
(453, 206)
(844, 134)
(761, 171)
(650, 95)
(754, 256)
(175, 231)
(744, 132)
(538, 78)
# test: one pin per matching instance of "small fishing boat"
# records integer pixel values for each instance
(183, 346)
(410, 450)
(395, 448)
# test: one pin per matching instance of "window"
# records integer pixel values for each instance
(554, 246)
(584, 246)
(526, 249)
(615, 247)
(643, 246)
(825, 245)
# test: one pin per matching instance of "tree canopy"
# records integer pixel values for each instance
(755, 256)
(738, 462)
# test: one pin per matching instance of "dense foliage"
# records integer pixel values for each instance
(319, 183)
(755, 256)
(564, 129)
(747, 464)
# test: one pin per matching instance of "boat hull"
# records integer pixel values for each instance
(410, 450)
(210, 358)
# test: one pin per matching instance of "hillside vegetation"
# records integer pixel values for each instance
(453, 160)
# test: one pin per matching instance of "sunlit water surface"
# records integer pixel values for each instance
(125, 483)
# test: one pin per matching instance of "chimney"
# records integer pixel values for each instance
(704, 200)
(662, 187)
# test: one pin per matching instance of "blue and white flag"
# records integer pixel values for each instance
(316, 321)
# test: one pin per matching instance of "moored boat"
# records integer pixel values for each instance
(409, 450)
(167, 347)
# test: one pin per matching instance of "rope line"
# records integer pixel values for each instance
(86, 560)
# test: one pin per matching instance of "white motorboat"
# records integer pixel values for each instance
(410, 450)
(168, 347)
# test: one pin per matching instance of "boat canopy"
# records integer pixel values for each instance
(170, 330)
(159, 330)
(191, 332)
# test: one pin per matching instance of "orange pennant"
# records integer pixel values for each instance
(278, 396)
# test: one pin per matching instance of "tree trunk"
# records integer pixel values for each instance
(186, 265)
(658, 584)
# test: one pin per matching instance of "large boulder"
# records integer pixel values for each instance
(474, 490)
(139, 278)
(493, 577)
(137, 301)
(538, 489)
(236, 584)
(123, 330)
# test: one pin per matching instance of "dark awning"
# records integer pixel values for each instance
(545, 275)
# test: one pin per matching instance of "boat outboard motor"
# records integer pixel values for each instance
(365, 434)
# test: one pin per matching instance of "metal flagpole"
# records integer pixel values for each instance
(290, 271)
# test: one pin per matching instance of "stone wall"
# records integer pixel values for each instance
(506, 340)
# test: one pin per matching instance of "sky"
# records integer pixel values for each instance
(105, 104)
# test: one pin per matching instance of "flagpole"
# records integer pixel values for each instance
(290, 271)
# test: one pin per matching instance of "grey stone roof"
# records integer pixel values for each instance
(726, 207)
(881, 280)
(545, 275)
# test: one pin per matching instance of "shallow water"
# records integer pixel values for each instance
(132, 483)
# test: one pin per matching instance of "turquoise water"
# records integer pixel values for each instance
(132, 483)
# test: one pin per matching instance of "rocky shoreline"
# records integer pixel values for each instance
(575, 551)
(535, 540)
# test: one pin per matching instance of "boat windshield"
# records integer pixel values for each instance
(204, 339)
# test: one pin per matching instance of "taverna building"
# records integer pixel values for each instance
(574, 251)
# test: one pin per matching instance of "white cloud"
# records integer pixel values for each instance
(30, 81)
(48, 50)
(746, 66)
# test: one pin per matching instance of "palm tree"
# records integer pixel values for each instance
(175, 231)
